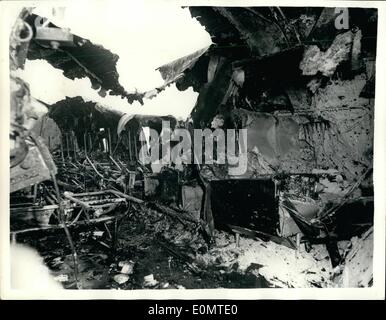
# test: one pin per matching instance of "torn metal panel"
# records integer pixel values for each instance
(343, 214)
(303, 19)
(191, 198)
(172, 71)
(221, 31)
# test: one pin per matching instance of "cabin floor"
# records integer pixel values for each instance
(155, 251)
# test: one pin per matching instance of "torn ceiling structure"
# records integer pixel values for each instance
(76, 56)
(303, 89)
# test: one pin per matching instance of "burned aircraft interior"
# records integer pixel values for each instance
(301, 214)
